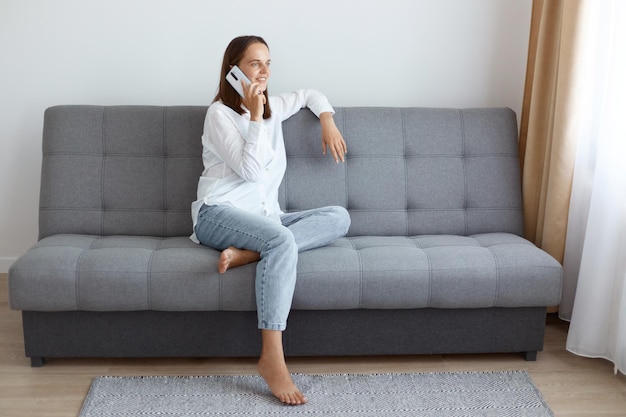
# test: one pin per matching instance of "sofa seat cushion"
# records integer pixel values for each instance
(127, 273)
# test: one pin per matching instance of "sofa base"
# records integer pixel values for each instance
(80, 334)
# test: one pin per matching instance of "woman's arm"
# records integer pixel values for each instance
(286, 105)
(332, 140)
(244, 147)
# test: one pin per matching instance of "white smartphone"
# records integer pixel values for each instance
(235, 76)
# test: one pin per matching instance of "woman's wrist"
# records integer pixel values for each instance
(326, 116)
(327, 120)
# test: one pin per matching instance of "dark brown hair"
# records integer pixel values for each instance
(232, 56)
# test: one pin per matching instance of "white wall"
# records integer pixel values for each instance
(434, 53)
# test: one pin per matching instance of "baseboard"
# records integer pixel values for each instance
(5, 263)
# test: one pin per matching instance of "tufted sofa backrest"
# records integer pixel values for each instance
(411, 171)
(133, 170)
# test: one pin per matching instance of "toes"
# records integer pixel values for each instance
(292, 398)
(224, 261)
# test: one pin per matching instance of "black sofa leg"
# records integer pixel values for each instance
(37, 361)
(530, 356)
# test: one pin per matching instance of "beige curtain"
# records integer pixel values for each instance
(548, 122)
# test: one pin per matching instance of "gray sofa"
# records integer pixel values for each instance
(434, 262)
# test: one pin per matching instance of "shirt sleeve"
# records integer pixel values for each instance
(244, 147)
(286, 105)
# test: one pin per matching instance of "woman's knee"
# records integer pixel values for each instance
(284, 239)
(342, 218)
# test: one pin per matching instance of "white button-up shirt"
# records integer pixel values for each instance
(245, 161)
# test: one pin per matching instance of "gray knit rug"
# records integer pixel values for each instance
(354, 395)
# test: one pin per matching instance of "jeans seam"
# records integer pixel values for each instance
(261, 313)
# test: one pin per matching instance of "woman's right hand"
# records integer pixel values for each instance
(254, 100)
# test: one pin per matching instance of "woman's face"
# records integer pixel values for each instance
(255, 63)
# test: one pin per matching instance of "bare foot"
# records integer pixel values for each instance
(232, 257)
(277, 377)
(273, 369)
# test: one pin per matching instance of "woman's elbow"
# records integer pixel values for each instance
(251, 174)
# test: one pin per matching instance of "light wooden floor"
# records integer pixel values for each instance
(571, 385)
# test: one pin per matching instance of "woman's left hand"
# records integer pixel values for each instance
(332, 140)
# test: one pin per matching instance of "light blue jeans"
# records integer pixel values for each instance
(278, 245)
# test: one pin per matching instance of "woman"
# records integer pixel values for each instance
(237, 210)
